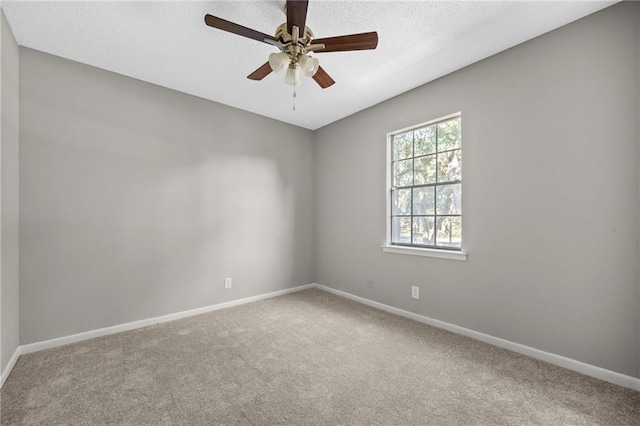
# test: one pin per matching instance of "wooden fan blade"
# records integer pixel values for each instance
(261, 72)
(224, 25)
(362, 41)
(296, 15)
(323, 79)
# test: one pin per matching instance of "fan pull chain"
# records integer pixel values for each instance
(294, 97)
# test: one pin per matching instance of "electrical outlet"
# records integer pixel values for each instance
(227, 282)
(415, 292)
(369, 283)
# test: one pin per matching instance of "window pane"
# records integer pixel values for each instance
(448, 199)
(449, 134)
(425, 141)
(403, 146)
(402, 202)
(449, 166)
(403, 173)
(423, 199)
(449, 232)
(425, 171)
(401, 230)
(426, 168)
(423, 231)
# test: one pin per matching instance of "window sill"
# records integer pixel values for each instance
(415, 251)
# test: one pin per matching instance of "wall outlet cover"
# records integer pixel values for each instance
(415, 292)
(227, 282)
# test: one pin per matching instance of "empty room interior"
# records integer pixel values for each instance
(411, 213)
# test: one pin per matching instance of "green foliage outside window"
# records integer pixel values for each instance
(426, 187)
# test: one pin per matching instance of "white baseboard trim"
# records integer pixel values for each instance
(568, 363)
(12, 363)
(60, 341)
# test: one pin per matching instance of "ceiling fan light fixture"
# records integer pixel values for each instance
(295, 40)
(309, 65)
(278, 61)
(293, 75)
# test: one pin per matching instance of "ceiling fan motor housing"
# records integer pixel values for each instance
(286, 39)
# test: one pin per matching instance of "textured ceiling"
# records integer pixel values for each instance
(167, 43)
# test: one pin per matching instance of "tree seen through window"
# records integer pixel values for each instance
(426, 187)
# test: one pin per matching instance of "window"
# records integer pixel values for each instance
(426, 185)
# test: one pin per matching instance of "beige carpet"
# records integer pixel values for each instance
(304, 358)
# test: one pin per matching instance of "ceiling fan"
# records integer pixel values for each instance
(295, 41)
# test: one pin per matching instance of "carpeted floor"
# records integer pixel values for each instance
(304, 358)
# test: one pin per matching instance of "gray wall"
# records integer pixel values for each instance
(9, 268)
(550, 196)
(136, 201)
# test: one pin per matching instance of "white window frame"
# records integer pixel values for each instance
(388, 247)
